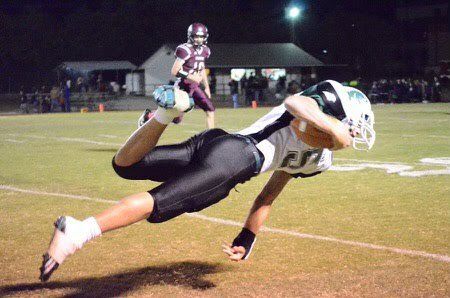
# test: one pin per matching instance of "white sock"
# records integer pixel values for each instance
(81, 232)
(165, 116)
(92, 229)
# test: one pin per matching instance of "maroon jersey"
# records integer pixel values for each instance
(194, 57)
(194, 60)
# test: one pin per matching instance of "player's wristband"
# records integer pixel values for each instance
(246, 238)
(182, 74)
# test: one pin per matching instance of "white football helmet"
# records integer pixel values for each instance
(359, 115)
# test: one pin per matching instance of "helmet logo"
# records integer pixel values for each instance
(330, 96)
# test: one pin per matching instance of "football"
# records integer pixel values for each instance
(183, 102)
(311, 135)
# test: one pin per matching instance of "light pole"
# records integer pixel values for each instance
(293, 13)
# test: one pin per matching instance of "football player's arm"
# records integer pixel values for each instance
(306, 108)
(205, 83)
(177, 70)
(241, 247)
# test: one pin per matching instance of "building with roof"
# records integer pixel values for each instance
(110, 70)
(234, 60)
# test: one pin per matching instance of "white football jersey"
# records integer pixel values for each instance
(275, 134)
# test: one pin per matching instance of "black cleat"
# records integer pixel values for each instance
(61, 246)
(145, 117)
(48, 266)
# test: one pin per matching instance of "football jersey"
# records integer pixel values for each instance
(276, 135)
(194, 57)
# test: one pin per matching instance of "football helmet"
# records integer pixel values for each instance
(197, 29)
(359, 115)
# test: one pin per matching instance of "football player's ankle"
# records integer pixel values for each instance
(165, 116)
(92, 227)
(88, 231)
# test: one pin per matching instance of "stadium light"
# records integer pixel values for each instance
(293, 13)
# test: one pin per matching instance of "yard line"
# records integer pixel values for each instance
(414, 135)
(28, 136)
(67, 139)
(413, 253)
(108, 136)
(423, 161)
(371, 161)
(14, 141)
(44, 193)
(80, 140)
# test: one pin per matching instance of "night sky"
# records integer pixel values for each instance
(37, 35)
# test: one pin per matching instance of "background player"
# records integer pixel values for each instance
(189, 68)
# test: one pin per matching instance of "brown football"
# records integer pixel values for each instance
(311, 135)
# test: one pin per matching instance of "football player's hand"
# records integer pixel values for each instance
(208, 92)
(235, 253)
(342, 136)
(195, 77)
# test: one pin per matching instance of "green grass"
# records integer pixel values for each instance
(183, 257)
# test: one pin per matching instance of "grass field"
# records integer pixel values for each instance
(61, 164)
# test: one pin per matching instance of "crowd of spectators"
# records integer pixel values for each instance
(58, 98)
(256, 88)
(43, 100)
(405, 90)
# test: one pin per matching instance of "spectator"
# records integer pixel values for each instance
(79, 86)
(234, 90)
(281, 84)
(34, 101)
(45, 103)
(436, 93)
(115, 88)
(23, 102)
(67, 107)
(100, 83)
(54, 98)
(213, 83)
(250, 91)
(293, 87)
(244, 90)
(263, 84)
(42, 97)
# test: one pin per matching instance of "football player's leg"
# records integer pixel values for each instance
(70, 234)
(205, 104)
(140, 143)
(210, 120)
(159, 164)
(167, 161)
(221, 165)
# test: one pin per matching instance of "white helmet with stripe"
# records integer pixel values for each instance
(359, 115)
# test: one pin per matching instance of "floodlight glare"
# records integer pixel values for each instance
(294, 12)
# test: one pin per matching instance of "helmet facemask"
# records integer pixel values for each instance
(359, 116)
(364, 134)
(195, 43)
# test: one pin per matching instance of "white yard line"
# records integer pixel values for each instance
(66, 139)
(414, 135)
(108, 136)
(373, 161)
(14, 141)
(413, 253)
(423, 163)
(81, 140)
